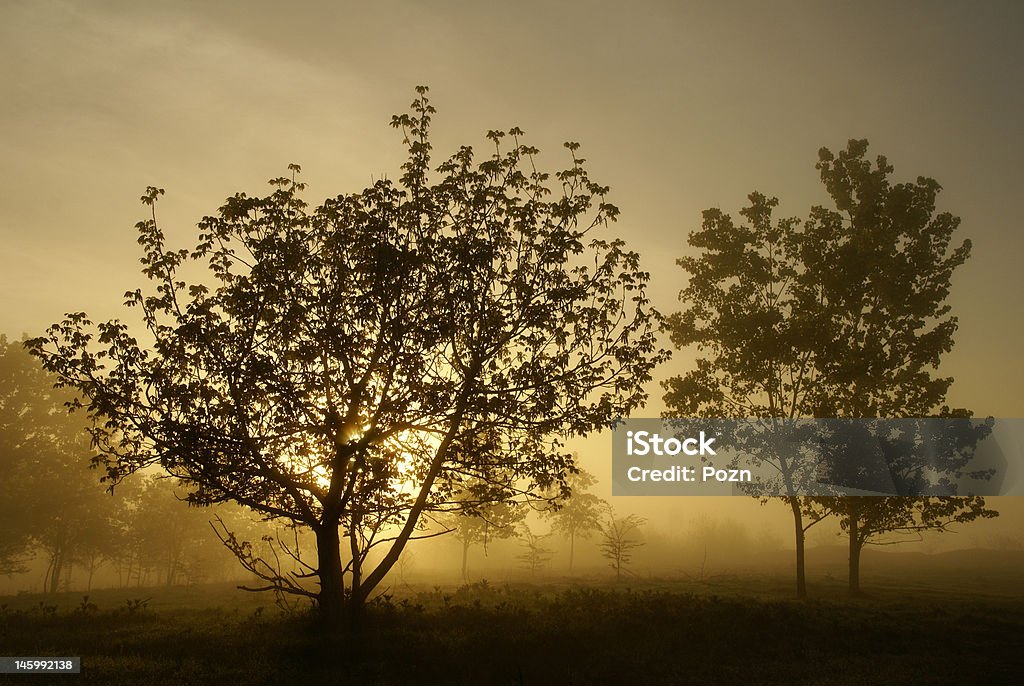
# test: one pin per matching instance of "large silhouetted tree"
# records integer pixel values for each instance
(349, 367)
(843, 315)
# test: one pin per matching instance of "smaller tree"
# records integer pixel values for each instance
(174, 537)
(890, 520)
(480, 519)
(49, 499)
(579, 514)
(535, 555)
(619, 538)
(920, 461)
(406, 564)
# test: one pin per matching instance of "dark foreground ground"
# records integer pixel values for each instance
(727, 630)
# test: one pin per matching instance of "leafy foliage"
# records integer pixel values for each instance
(842, 315)
(353, 364)
(49, 499)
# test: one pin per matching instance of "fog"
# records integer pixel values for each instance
(149, 538)
(208, 100)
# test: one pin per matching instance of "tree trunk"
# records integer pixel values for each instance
(332, 591)
(465, 558)
(46, 576)
(403, 537)
(798, 526)
(855, 546)
(572, 548)
(356, 598)
(57, 569)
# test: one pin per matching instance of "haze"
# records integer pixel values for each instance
(678, 108)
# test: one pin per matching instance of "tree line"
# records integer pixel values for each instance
(54, 509)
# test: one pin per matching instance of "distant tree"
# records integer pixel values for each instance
(480, 519)
(27, 402)
(157, 538)
(338, 367)
(49, 498)
(754, 323)
(923, 457)
(706, 533)
(843, 315)
(79, 528)
(619, 538)
(535, 555)
(131, 557)
(406, 564)
(884, 261)
(173, 540)
(579, 514)
(890, 520)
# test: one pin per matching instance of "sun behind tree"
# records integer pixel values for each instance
(475, 311)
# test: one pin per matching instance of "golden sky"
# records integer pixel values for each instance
(679, 107)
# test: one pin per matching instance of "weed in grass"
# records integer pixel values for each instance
(136, 605)
(86, 608)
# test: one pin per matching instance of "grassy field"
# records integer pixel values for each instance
(723, 630)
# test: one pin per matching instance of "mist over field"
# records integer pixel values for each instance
(693, 539)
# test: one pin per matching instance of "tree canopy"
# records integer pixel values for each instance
(353, 364)
(844, 314)
(49, 499)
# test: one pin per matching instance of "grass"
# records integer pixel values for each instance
(727, 630)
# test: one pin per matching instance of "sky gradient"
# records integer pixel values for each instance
(678, 106)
